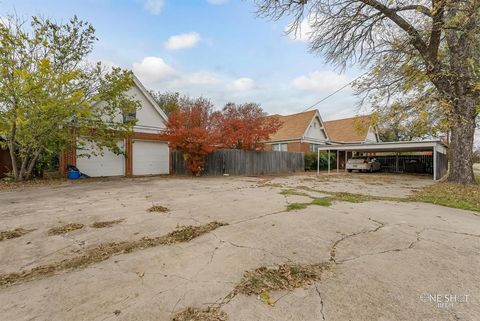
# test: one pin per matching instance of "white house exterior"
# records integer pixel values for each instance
(145, 151)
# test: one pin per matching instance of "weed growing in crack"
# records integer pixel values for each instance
(282, 277)
(12, 234)
(103, 224)
(159, 209)
(324, 201)
(196, 314)
(293, 191)
(296, 206)
(65, 228)
(104, 251)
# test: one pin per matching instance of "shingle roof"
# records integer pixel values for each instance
(293, 126)
(353, 129)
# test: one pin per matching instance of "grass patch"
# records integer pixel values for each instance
(104, 251)
(65, 228)
(293, 191)
(12, 234)
(103, 224)
(466, 197)
(324, 201)
(282, 277)
(159, 209)
(297, 206)
(195, 314)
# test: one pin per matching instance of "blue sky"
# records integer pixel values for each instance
(216, 48)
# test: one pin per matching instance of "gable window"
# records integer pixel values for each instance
(280, 147)
(129, 117)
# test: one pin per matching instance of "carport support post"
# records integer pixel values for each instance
(318, 162)
(434, 163)
(329, 161)
(338, 160)
(346, 160)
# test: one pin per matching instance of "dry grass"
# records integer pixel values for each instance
(12, 234)
(465, 197)
(159, 209)
(194, 314)
(103, 252)
(6, 185)
(65, 228)
(103, 224)
(283, 277)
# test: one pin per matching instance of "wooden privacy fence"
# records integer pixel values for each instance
(242, 162)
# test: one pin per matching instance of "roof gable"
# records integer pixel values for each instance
(354, 129)
(294, 126)
(149, 98)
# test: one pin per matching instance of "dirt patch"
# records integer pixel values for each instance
(12, 234)
(194, 314)
(103, 224)
(283, 277)
(103, 252)
(159, 209)
(65, 228)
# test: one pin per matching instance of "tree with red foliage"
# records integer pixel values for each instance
(191, 129)
(245, 126)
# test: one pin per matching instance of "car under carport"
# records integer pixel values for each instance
(431, 155)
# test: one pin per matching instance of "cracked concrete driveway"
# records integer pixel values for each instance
(391, 259)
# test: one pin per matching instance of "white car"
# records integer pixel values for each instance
(363, 164)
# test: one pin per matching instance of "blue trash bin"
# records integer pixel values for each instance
(73, 174)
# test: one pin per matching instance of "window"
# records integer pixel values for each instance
(280, 147)
(314, 147)
(130, 117)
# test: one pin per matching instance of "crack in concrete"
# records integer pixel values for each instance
(321, 303)
(409, 247)
(333, 249)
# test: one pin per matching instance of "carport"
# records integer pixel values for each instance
(435, 149)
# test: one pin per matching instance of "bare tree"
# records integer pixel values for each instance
(432, 44)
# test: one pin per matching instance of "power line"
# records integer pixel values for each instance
(336, 91)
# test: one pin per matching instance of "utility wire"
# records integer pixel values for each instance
(336, 91)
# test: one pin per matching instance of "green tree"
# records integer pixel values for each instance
(411, 47)
(168, 101)
(50, 94)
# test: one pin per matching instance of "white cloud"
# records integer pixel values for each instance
(217, 1)
(154, 6)
(153, 69)
(302, 33)
(320, 81)
(182, 41)
(242, 84)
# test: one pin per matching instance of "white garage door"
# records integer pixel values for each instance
(150, 158)
(109, 164)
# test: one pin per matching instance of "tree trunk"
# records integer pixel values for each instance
(463, 124)
(13, 159)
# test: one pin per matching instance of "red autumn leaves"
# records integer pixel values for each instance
(197, 130)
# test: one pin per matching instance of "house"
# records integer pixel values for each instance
(146, 153)
(354, 130)
(306, 131)
(302, 132)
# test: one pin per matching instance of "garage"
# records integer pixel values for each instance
(108, 164)
(150, 158)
